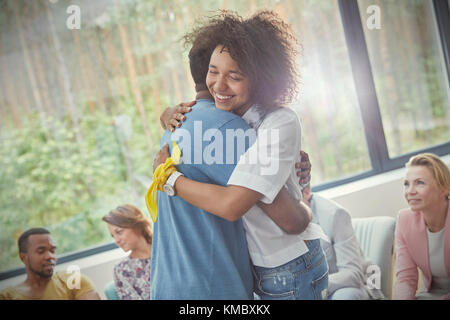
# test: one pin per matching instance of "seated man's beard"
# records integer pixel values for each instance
(42, 274)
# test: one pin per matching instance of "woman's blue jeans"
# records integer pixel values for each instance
(304, 278)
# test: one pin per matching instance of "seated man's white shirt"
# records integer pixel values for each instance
(346, 262)
(267, 166)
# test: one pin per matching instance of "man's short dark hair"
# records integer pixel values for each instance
(199, 64)
(23, 239)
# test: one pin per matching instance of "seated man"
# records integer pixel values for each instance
(347, 267)
(37, 252)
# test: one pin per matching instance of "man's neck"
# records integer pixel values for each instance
(33, 287)
(35, 281)
(203, 94)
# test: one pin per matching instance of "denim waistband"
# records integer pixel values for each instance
(314, 249)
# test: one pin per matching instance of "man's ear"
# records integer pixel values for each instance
(23, 256)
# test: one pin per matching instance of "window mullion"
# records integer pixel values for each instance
(364, 84)
(442, 13)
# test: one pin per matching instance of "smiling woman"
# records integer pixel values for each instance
(422, 231)
(252, 73)
(423, 193)
(227, 84)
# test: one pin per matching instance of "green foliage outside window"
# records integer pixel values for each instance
(47, 179)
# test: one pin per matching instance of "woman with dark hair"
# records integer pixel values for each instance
(132, 232)
(252, 73)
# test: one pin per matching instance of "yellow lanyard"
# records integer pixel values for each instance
(160, 176)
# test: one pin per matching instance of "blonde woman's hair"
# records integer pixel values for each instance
(128, 216)
(438, 168)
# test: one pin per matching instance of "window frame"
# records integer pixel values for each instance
(368, 103)
(366, 93)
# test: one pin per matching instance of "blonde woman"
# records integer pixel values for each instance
(423, 230)
(132, 232)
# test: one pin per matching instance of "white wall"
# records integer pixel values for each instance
(380, 195)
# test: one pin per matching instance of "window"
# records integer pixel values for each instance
(409, 73)
(333, 133)
(83, 84)
(369, 80)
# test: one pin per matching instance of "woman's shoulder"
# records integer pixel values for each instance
(125, 263)
(407, 217)
(281, 117)
(131, 263)
(407, 213)
(284, 112)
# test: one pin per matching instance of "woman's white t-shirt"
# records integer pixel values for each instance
(267, 166)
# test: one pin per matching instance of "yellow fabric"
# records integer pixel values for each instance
(160, 176)
(57, 289)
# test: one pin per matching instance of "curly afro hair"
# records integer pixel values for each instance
(263, 46)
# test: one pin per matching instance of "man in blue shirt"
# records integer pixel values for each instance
(197, 255)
